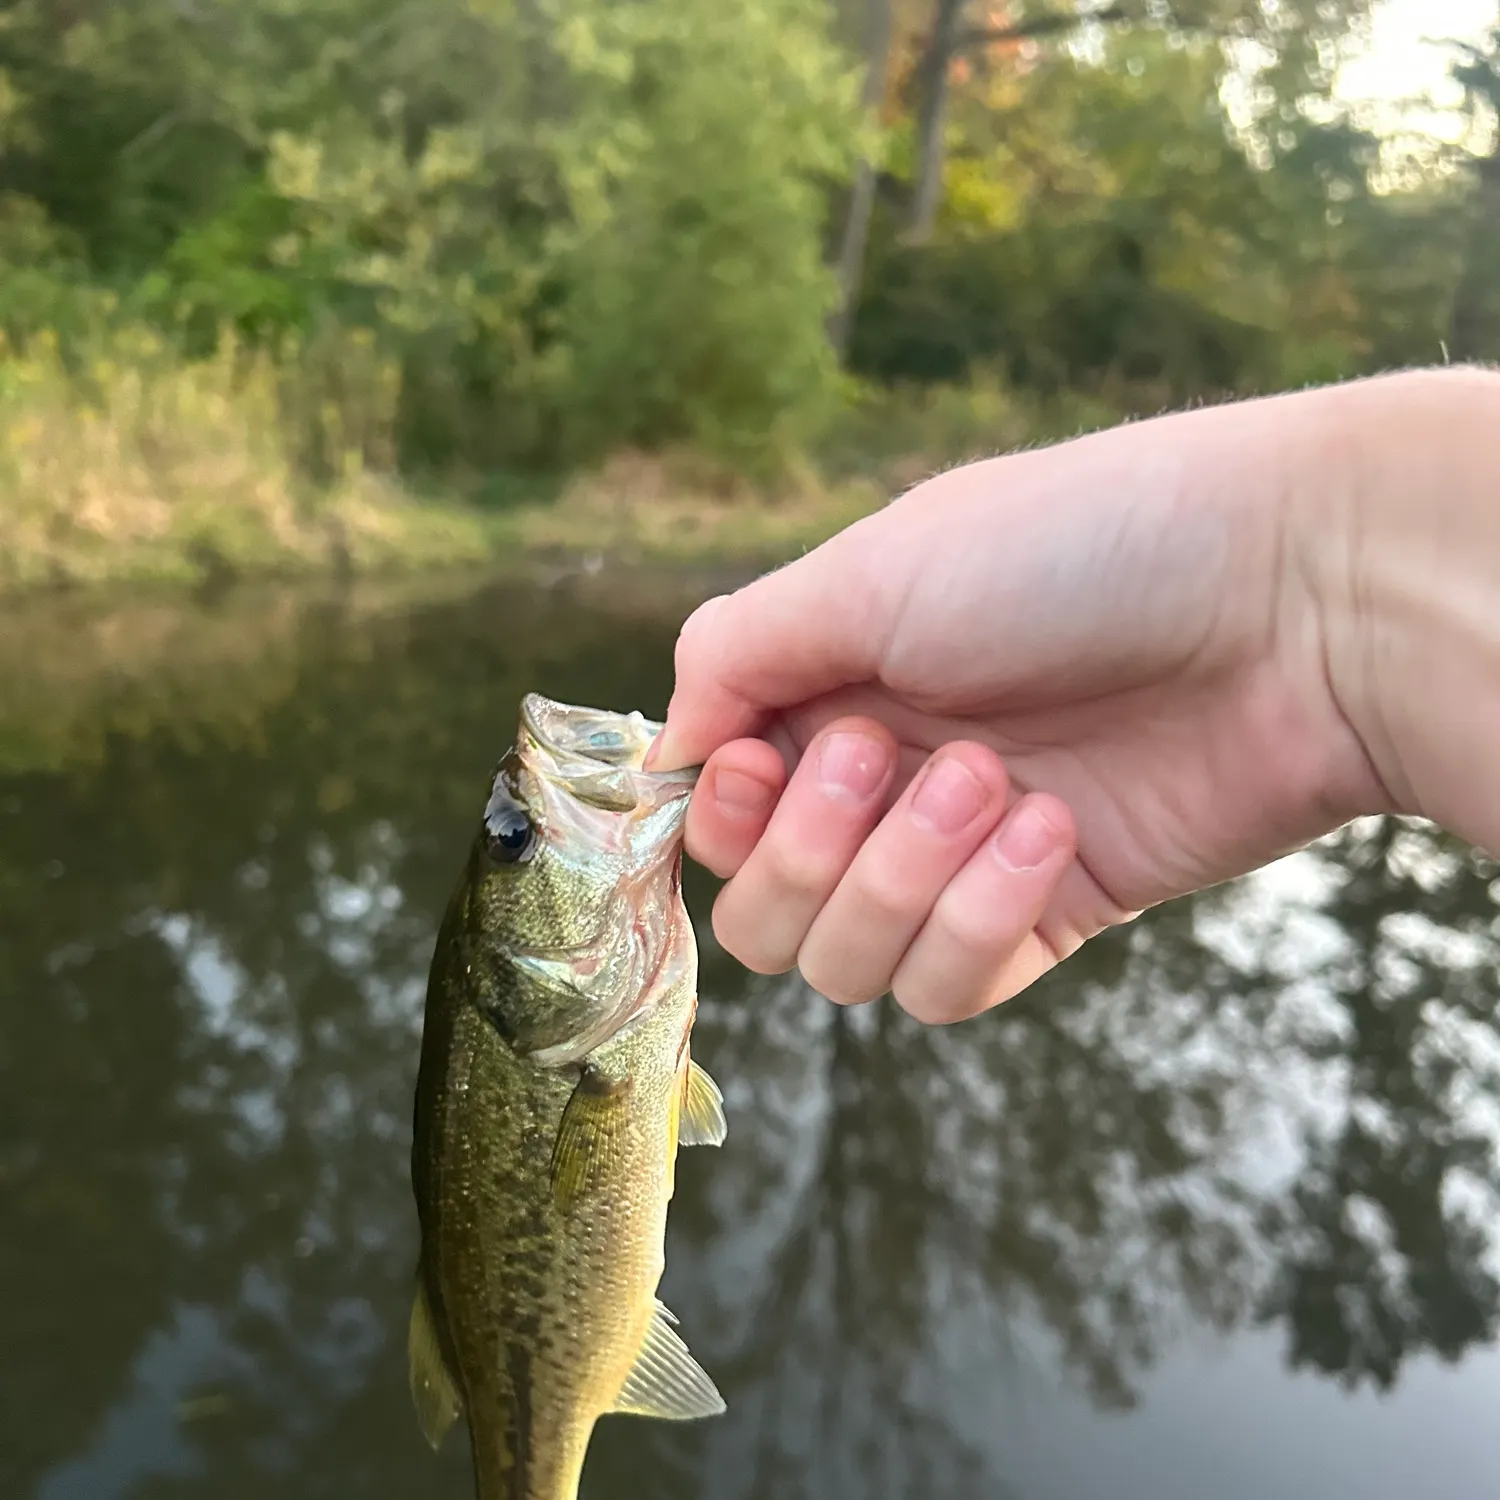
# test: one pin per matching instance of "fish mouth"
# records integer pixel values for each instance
(599, 755)
(609, 820)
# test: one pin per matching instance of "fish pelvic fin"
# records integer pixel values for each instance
(433, 1390)
(666, 1381)
(591, 1136)
(703, 1122)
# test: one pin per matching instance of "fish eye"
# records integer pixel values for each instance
(509, 835)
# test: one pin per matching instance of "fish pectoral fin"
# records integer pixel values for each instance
(591, 1137)
(433, 1390)
(666, 1381)
(703, 1122)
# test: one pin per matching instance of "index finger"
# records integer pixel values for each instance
(818, 624)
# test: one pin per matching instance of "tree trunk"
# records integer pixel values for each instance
(932, 118)
(1474, 331)
(878, 25)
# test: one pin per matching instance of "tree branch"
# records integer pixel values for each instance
(1048, 24)
(1055, 23)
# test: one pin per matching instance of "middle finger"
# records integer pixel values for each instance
(834, 799)
(866, 926)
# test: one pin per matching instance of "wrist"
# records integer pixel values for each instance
(1395, 522)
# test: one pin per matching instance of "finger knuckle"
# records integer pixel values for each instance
(695, 630)
(934, 1005)
(709, 848)
(883, 895)
(754, 944)
(789, 870)
(979, 931)
(719, 864)
(758, 958)
(835, 982)
(1059, 940)
(766, 964)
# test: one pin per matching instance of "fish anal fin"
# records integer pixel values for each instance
(666, 1381)
(703, 1122)
(591, 1137)
(433, 1390)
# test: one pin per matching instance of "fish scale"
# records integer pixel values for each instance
(554, 1088)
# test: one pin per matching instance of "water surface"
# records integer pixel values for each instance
(1211, 1212)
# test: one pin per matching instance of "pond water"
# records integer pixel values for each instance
(1211, 1212)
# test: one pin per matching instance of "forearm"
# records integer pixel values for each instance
(1397, 518)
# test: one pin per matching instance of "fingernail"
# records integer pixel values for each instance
(741, 796)
(664, 753)
(851, 765)
(1026, 839)
(948, 796)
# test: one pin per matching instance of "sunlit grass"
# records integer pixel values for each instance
(676, 507)
(122, 460)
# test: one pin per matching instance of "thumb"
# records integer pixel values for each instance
(817, 624)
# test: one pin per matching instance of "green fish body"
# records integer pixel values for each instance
(554, 1088)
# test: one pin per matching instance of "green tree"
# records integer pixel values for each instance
(1475, 328)
(575, 224)
(1110, 221)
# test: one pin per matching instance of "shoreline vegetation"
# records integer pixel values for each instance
(370, 289)
(135, 466)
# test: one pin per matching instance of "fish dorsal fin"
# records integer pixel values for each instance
(433, 1390)
(666, 1381)
(703, 1122)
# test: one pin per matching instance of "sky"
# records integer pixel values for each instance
(1400, 62)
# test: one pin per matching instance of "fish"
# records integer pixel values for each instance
(555, 1085)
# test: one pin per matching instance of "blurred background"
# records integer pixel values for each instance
(367, 364)
(365, 282)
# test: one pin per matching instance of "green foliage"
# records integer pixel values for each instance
(897, 434)
(1110, 227)
(573, 224)
(460, 241)
(699, 288)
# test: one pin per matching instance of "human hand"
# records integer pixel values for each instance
(1032, 697)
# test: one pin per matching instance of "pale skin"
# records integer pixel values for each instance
(1041, 693)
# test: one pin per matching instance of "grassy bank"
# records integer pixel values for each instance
(125, 463)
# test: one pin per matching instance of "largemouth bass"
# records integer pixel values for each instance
(554, 1088)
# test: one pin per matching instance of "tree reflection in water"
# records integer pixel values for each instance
(1277, 1103)
(1385, 1241)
